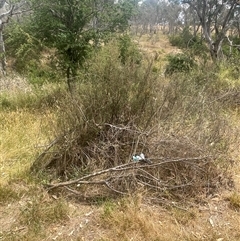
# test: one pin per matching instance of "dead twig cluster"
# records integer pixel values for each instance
(174, 165)
(97, 147)
(149, 175)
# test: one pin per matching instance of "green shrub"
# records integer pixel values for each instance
(128, 50)
(28, 55)
(179, 63)
(194, 44)
(21, 46)
(183, 40)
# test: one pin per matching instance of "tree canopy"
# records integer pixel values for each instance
(72, 28)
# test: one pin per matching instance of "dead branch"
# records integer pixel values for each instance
(132, 173)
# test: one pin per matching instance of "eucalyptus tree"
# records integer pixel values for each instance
(7, 10)
(174, 15)
(215, 17)
(147, 16)
(167, 14)
(74, 27)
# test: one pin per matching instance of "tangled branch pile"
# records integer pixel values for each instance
(120, 110)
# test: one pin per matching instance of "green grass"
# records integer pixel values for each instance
(39, 212)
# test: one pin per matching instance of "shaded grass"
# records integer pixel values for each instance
(7, 194)
(39, 212)
(234, 201)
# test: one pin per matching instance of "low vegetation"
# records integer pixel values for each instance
(61, 151)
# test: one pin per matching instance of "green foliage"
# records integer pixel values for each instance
(21, 45)
(186, 40)
(232, 52)
(74, 28)
(27, 53)
(128, 50)
(69, 31)
(179, 63)
(181, 40)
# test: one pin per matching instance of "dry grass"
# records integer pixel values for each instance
(234, 200)
(131, 219)
(23, 135)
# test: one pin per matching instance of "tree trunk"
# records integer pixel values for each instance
(2, 51)
(2, 2)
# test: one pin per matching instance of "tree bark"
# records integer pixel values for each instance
(208, 17)
(3, 62)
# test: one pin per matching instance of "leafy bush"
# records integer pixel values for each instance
(186, 40)
(128, 50)
(231, 52)
(183, 40)
(28, 55)
(21, 46)
(179, 63)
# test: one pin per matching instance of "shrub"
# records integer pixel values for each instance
(128, 50)
(28, 48)
(179, 63)
(119, 110)
(109, 93)
(193, 44)
(185, 39)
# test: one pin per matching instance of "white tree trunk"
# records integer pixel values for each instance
(2, 51)
(4, 13)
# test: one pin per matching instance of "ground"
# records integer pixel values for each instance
(29, 212)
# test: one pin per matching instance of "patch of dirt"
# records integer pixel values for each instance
(213, 220)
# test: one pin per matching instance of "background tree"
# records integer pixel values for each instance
(166, 14)
(215, 18)
(7, 10)
(72, 28)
